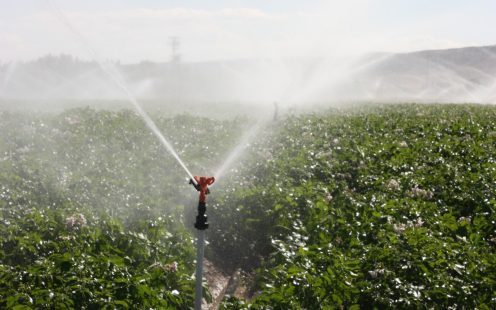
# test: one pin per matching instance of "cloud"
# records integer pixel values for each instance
(175, 14)
(131, 35)
(10, 39)
(137, 34)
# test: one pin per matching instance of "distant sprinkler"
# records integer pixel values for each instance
(174, 43)
(276, 110)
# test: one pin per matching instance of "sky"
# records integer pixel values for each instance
(139, 30)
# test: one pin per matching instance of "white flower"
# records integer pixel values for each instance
(175, 292)
(172, 267)
(375, 273)
(80, 219)
(75, 221)
(393, 185)
(399, 228)
(421, 193)
(419, 222)
(70, 222)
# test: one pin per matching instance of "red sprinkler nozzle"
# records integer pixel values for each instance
(201, 184)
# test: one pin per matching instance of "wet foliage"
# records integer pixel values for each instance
(375, 207)
(92, 210)
(381, 207)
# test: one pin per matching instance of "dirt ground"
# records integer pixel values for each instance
(217, 283)
(221, 284)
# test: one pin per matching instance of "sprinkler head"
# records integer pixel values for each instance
(197, 186)
(201, 184)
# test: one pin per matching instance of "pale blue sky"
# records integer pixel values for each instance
(136, 30)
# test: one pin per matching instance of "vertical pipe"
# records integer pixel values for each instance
(199, 268)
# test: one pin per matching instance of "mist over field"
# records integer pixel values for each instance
(297, 55)
(444, 76)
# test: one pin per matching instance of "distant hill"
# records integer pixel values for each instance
(451, 75)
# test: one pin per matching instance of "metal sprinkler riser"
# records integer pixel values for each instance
(200, 184)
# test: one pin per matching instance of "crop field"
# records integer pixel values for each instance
(379, 206)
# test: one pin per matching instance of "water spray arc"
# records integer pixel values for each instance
(115, 77)
(201, 184)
